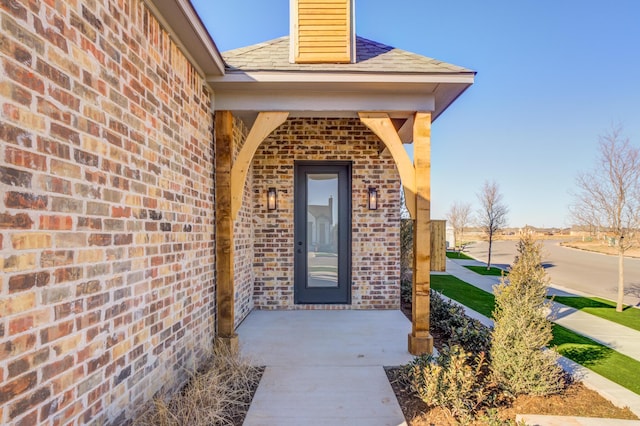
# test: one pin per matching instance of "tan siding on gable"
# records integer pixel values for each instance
(321, 31)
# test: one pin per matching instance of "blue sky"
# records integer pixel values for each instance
(552, 76)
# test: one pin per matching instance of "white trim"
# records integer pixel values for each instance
(321, 102)
(339, 77)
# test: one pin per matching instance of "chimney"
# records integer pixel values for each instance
(322, 31)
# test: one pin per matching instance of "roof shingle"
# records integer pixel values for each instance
(372, 57)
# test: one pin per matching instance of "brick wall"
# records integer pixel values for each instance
(106, 244)
(375, 234)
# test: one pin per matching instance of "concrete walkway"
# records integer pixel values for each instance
(325, 367)
(623, 339)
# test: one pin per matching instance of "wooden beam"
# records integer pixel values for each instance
(224, 227)
(406, 131)
(420, 340)
(265, 123)
(382, 126)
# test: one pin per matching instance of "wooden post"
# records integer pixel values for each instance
(420, 340)
(224, 229)
(438, 245)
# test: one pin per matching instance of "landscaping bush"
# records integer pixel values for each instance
(453, 381)
(519, 361)
(220, 394)
(449, 319)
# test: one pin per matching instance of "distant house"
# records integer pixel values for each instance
(135, 169)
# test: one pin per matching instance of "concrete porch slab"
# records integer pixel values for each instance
(325, 338)
(325, 367)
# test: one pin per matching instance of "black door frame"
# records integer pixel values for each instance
(322, 295)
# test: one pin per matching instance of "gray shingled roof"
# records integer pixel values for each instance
(372, 57)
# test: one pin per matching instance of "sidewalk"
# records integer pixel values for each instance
(623, 339)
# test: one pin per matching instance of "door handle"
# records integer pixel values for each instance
(300, 249)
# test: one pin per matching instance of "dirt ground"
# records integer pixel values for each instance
(600, 247)
(577, 400)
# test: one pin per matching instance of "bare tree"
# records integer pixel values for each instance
(608, 196)
(459, 216)
(492, 215)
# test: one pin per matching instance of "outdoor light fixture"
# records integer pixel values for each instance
(373, 199)
(271, 199)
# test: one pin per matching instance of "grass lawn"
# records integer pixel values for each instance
(482, 270)
(454, 288)
(601, 359)
(629, 317)
(457, 255)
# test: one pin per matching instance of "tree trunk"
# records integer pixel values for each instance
(620, 304)
(489, 255)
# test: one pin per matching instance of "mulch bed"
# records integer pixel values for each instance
(577, 400)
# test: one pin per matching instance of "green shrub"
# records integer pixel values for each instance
(453, 381)
(449, 319)
(406, 290)
(519, 361)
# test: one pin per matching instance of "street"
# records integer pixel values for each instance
(585, 272)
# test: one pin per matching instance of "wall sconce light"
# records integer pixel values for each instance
(271, 199)
(373, 199)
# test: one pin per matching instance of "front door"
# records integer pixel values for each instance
(322, 221)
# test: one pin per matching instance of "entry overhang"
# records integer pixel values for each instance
(322, 103)
(337, 94)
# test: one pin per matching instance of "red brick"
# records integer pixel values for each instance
(17, 221)
(28, 420)
(55, 368)
(27, 281)
(28, 362)
(14, 177)
(58, 223)
(51, 258)
(88, 320)
(122, 239)
(17, 345)
(18, 387)
(19, 200)
(17, 93)
(68, 274)
(51, 147)
(53, 74)
(29, 402)
(52, 111)
(15, 9)
(65, 98)
(51, 35)
(23, 76)
(25, 159)
(100, 239)
(15, 135)
(65, 134)
(63, 310)
(54, 332)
